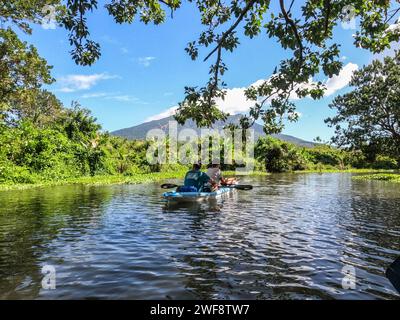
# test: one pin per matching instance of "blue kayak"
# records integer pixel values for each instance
(196, 196)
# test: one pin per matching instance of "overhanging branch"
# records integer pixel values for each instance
(232, 28)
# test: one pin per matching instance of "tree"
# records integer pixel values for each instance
(369, 116)
(22, 12)
(279, 156)
(304, 28)
(40, 107)
(80, 125)
(22, 72)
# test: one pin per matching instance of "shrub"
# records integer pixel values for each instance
(280, 156)
(384, 162)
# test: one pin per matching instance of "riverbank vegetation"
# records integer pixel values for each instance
(99, 180)
(391, 177)
(280, 156)
(72, 149)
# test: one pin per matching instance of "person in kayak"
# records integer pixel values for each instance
(196, 179)
(214, 172)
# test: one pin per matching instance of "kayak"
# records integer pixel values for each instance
(175, 196)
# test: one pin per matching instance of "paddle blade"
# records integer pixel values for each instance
(168, 185)
(393, 274)
(242, 186)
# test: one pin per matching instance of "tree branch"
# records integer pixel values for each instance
(292, 25)
(233, 27)
(214, 84)
(391, 17)
(328, 12)
(290, 7)
(166, 2)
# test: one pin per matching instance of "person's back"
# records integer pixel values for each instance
(196, 178)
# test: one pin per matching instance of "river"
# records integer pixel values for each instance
(295, 236)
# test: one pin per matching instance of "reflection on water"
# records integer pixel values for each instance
(289, 238)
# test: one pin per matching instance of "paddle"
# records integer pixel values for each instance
(240, 186)
(235, 186)
(393, 274)
(169, 186)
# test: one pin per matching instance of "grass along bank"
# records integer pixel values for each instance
(99, 180)
(391, 177)
(347, 170)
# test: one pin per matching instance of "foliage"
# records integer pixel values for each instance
(369, 116)
(61, 152)
(96, 180)
(327, 155)
(280, 156)
(22, 73)
(392, 177)
(41, 107)
(23, 12)
(384, 162)
(70, 147)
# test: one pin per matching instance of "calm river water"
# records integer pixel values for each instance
(289, 238)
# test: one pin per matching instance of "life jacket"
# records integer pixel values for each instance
(196, 179)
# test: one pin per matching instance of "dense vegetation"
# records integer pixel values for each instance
(73, 146)
(69, 147)
(380, 177)
(280, 156)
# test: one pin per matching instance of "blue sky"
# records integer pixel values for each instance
(143, 70)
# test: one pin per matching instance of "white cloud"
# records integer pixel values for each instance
(117, 96)
(341, 80)
(145, 61)
(78, 82)
(236, 102)
(167, 113)
(94, 95)
(123, 98)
